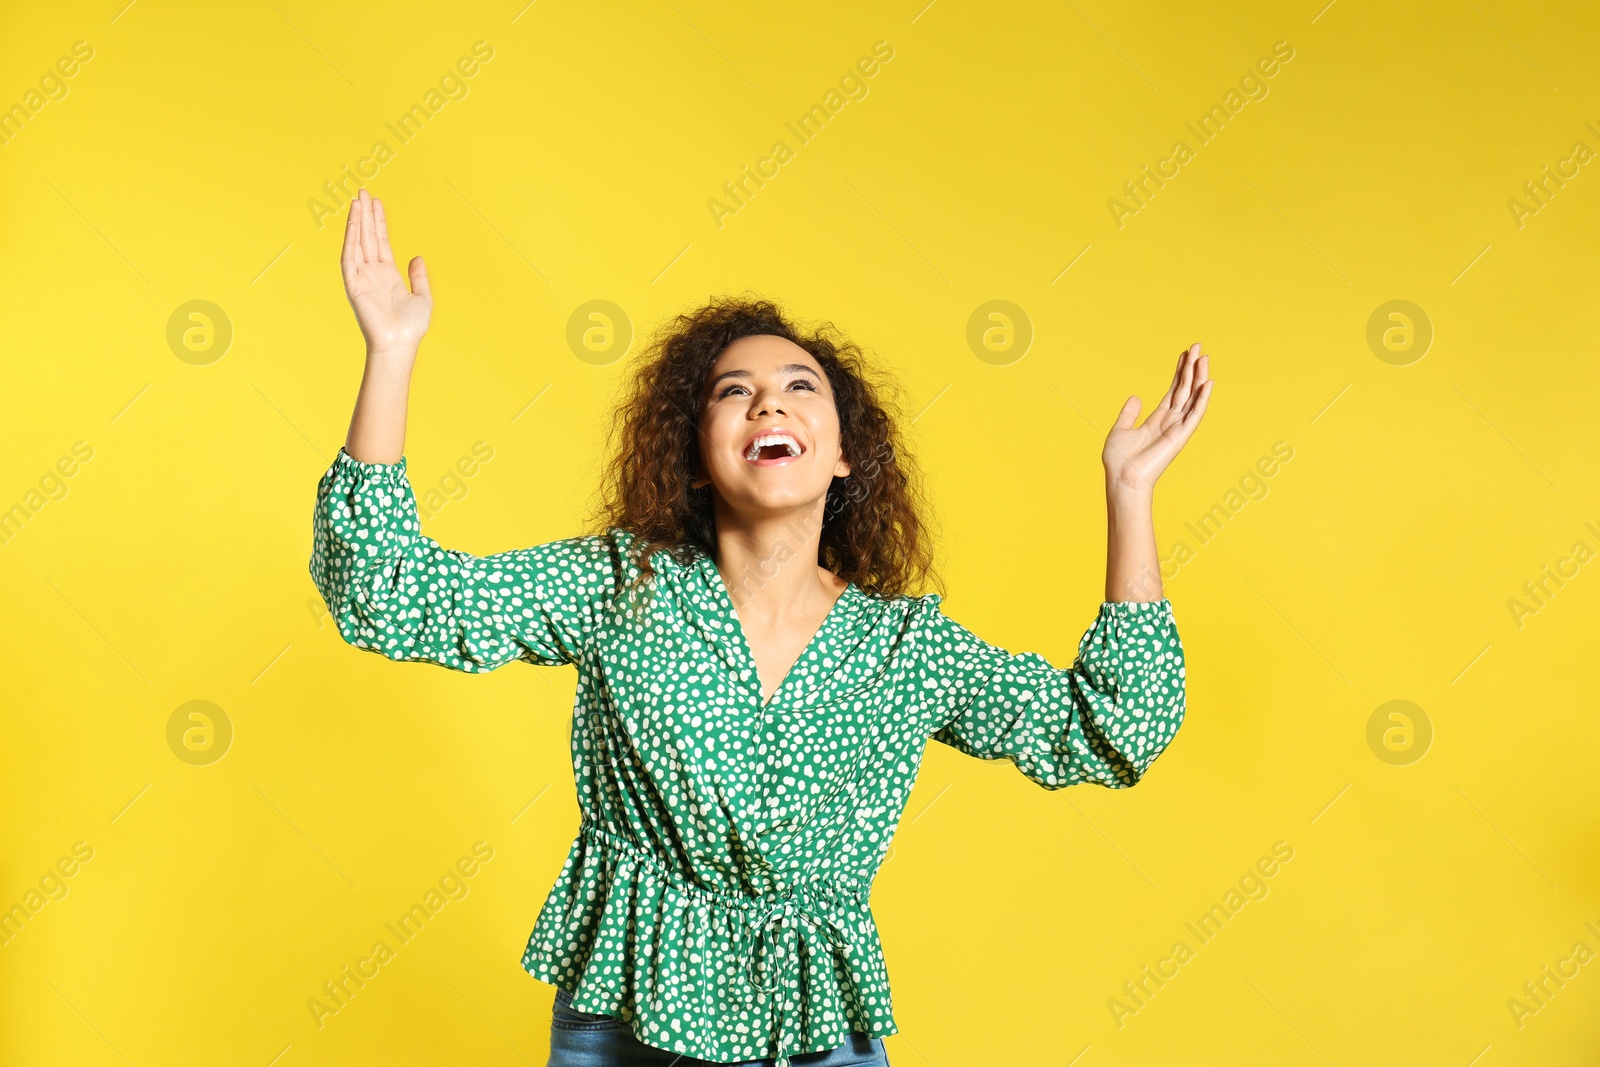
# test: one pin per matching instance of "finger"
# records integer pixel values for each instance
(369, 229)
(350, 253)
(1180, 387)
(1191, 418)
(1177, 375)
(1125, 420)
(419, 279)
(1128, 414)
(1202, 368)
(385, 255)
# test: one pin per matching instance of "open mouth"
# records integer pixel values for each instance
(771, 448)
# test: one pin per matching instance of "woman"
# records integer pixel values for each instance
(756, 685)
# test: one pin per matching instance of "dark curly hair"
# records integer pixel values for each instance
(873, 531)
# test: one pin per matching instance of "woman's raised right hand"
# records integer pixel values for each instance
(393, 319)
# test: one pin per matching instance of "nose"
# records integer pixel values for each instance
(767, 401)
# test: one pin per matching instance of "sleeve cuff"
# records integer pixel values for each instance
(388, 473)
(1137, 609)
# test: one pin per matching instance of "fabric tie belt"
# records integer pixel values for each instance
(762, 928)
(760, 924)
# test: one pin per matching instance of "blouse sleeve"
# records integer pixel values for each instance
(1103, 720)
(395, 592)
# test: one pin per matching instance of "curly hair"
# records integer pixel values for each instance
(874, 532)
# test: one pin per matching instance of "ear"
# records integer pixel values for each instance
(841, 469)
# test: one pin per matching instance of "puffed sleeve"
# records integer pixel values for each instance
(393, 591)
(1103, 720)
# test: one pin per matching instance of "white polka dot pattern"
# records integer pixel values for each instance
(1104, 721)
(716, 896)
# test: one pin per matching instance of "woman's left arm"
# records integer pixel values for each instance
(1134, 457)
(1106, 718)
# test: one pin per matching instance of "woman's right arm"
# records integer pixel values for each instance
(393, 321)
(392, 590)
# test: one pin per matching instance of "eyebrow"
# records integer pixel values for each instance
(790, 368)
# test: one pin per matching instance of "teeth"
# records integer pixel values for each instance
(772, 439)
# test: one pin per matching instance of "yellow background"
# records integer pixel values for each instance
(1378, 564)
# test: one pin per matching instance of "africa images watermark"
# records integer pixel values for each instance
(51, 886)
(852, 86)
(338, 992)
(1541, 190)
(453, 486)
(1538, 992)
(452, 86)
(1543, 589)
(1252, 885)
(1252, 486)
(1252, 86)
(52, 486)
(52, 88)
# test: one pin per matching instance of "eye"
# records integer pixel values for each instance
(727, 391)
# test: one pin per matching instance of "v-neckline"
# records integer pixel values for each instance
(721, 590)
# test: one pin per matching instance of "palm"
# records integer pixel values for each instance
(391, 317)
(1135, 456)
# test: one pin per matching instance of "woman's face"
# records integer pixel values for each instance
(764, 388)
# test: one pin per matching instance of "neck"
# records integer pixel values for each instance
(770, 566)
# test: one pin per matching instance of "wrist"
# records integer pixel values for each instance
(389, 370)
(392, 355)
(1121, 492)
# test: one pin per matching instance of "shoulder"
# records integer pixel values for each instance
(616, 555)
(923, 610)
(585, 559)
(903, 614)
(940, 637)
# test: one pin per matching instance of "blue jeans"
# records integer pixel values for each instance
(578, 1039)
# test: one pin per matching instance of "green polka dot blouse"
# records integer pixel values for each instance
(716, 897)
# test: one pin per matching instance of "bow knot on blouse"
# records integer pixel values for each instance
(728, 844)
(761, 944)
(759, 941)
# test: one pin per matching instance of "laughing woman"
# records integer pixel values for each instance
(756, 680)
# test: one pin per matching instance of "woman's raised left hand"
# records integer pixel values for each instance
(1135, 456)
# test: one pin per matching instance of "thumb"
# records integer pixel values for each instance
(419, 279)
(1129, 412)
